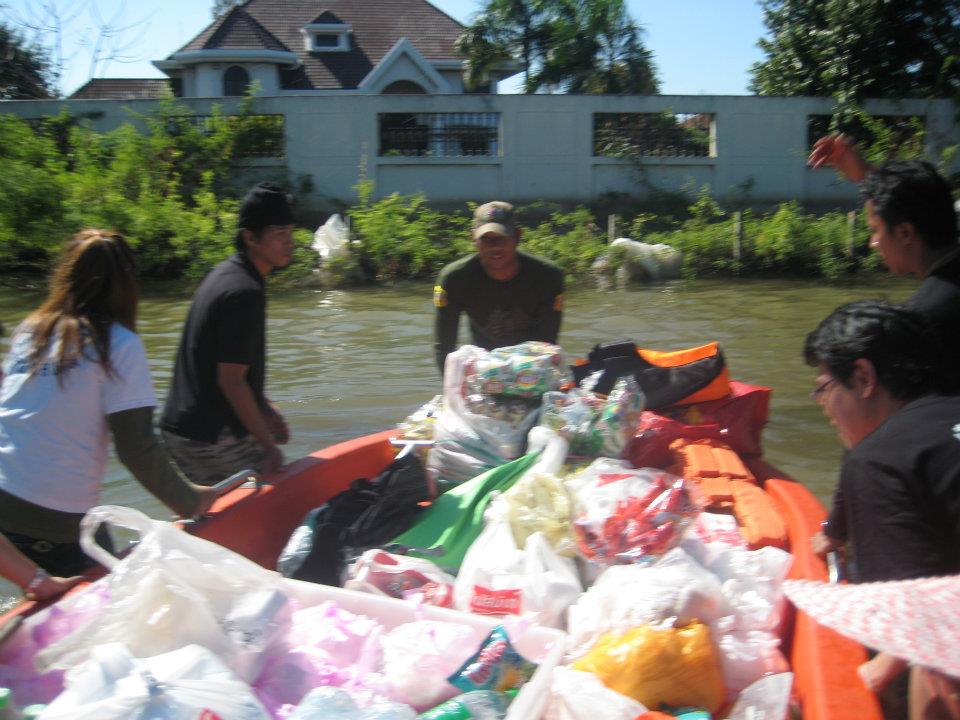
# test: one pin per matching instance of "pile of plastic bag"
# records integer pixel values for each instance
(183, 628)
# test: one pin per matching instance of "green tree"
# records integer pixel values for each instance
(25, 71)
(855, 49)
(595, 47)
(501, 33)
(575, 46)
(220, 7)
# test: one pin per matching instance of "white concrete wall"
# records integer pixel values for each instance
(546, 148)
(208, 81)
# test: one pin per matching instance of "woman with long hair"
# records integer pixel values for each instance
(76, 370)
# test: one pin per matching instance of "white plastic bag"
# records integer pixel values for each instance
(184, 684)
(329, 703)
(746, 656)
(332, 239)
(767, 698)
(498, 578)
(400, 576)
(674, 591)
(173, 590)
(419, 656)
(577, 695)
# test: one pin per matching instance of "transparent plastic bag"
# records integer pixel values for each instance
(631, 516)
(172, 590)
(594, 425)
(674, 590)
(540, 502)
(184, 684)
(401, 576)
(491, 400)
(332, 239)
(419, 656)
(576, 695)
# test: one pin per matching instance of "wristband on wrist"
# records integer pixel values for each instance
(30, 591)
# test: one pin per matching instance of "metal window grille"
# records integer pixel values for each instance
(663, 134)
(258, 135)
(899, 130)
(440, 134)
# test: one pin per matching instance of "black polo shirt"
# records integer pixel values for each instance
(938, 297)
(900, 489)
(226, 324)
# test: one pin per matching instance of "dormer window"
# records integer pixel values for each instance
(326, 37)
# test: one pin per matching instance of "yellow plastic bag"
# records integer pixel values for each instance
(675, 666)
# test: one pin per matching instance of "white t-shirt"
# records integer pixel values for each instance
(53, 436)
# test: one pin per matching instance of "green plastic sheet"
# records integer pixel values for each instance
(454, 520)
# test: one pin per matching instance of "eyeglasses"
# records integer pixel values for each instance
(818, 390)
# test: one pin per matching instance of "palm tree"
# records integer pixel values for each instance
(575, 46)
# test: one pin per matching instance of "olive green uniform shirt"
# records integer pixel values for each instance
(502, 312)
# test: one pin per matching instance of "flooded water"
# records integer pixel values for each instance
(346, 363)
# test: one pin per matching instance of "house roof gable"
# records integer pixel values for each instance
(236, 29)
(377, 25)
(423, 73)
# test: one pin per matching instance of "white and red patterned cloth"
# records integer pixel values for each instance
(916, 620)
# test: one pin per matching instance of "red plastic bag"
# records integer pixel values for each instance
(737, 420)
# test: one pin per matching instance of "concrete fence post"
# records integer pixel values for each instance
(611, 228)
(851, 232)
(737, 235)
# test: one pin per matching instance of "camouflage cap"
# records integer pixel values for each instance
(496, 217)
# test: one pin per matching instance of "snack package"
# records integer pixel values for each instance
(495, 666)
(632, 517)
(527, 370)
(419, 424)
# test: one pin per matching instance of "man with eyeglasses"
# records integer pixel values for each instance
(897, 503)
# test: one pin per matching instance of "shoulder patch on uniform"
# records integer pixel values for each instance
(558, 303)
(439, 296)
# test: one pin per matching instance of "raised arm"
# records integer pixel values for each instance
(840, 152)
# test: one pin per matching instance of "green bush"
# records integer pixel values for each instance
(571, 240)
(168, 188)
(400, 236)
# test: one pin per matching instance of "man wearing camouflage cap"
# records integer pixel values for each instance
(509, 295)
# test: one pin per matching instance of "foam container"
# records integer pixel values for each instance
(544, 646)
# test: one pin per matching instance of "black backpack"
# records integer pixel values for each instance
(367, 514)
(661, 386)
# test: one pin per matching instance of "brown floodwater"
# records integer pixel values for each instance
(342, 363)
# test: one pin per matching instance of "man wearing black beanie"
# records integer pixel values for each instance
(217, 419)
